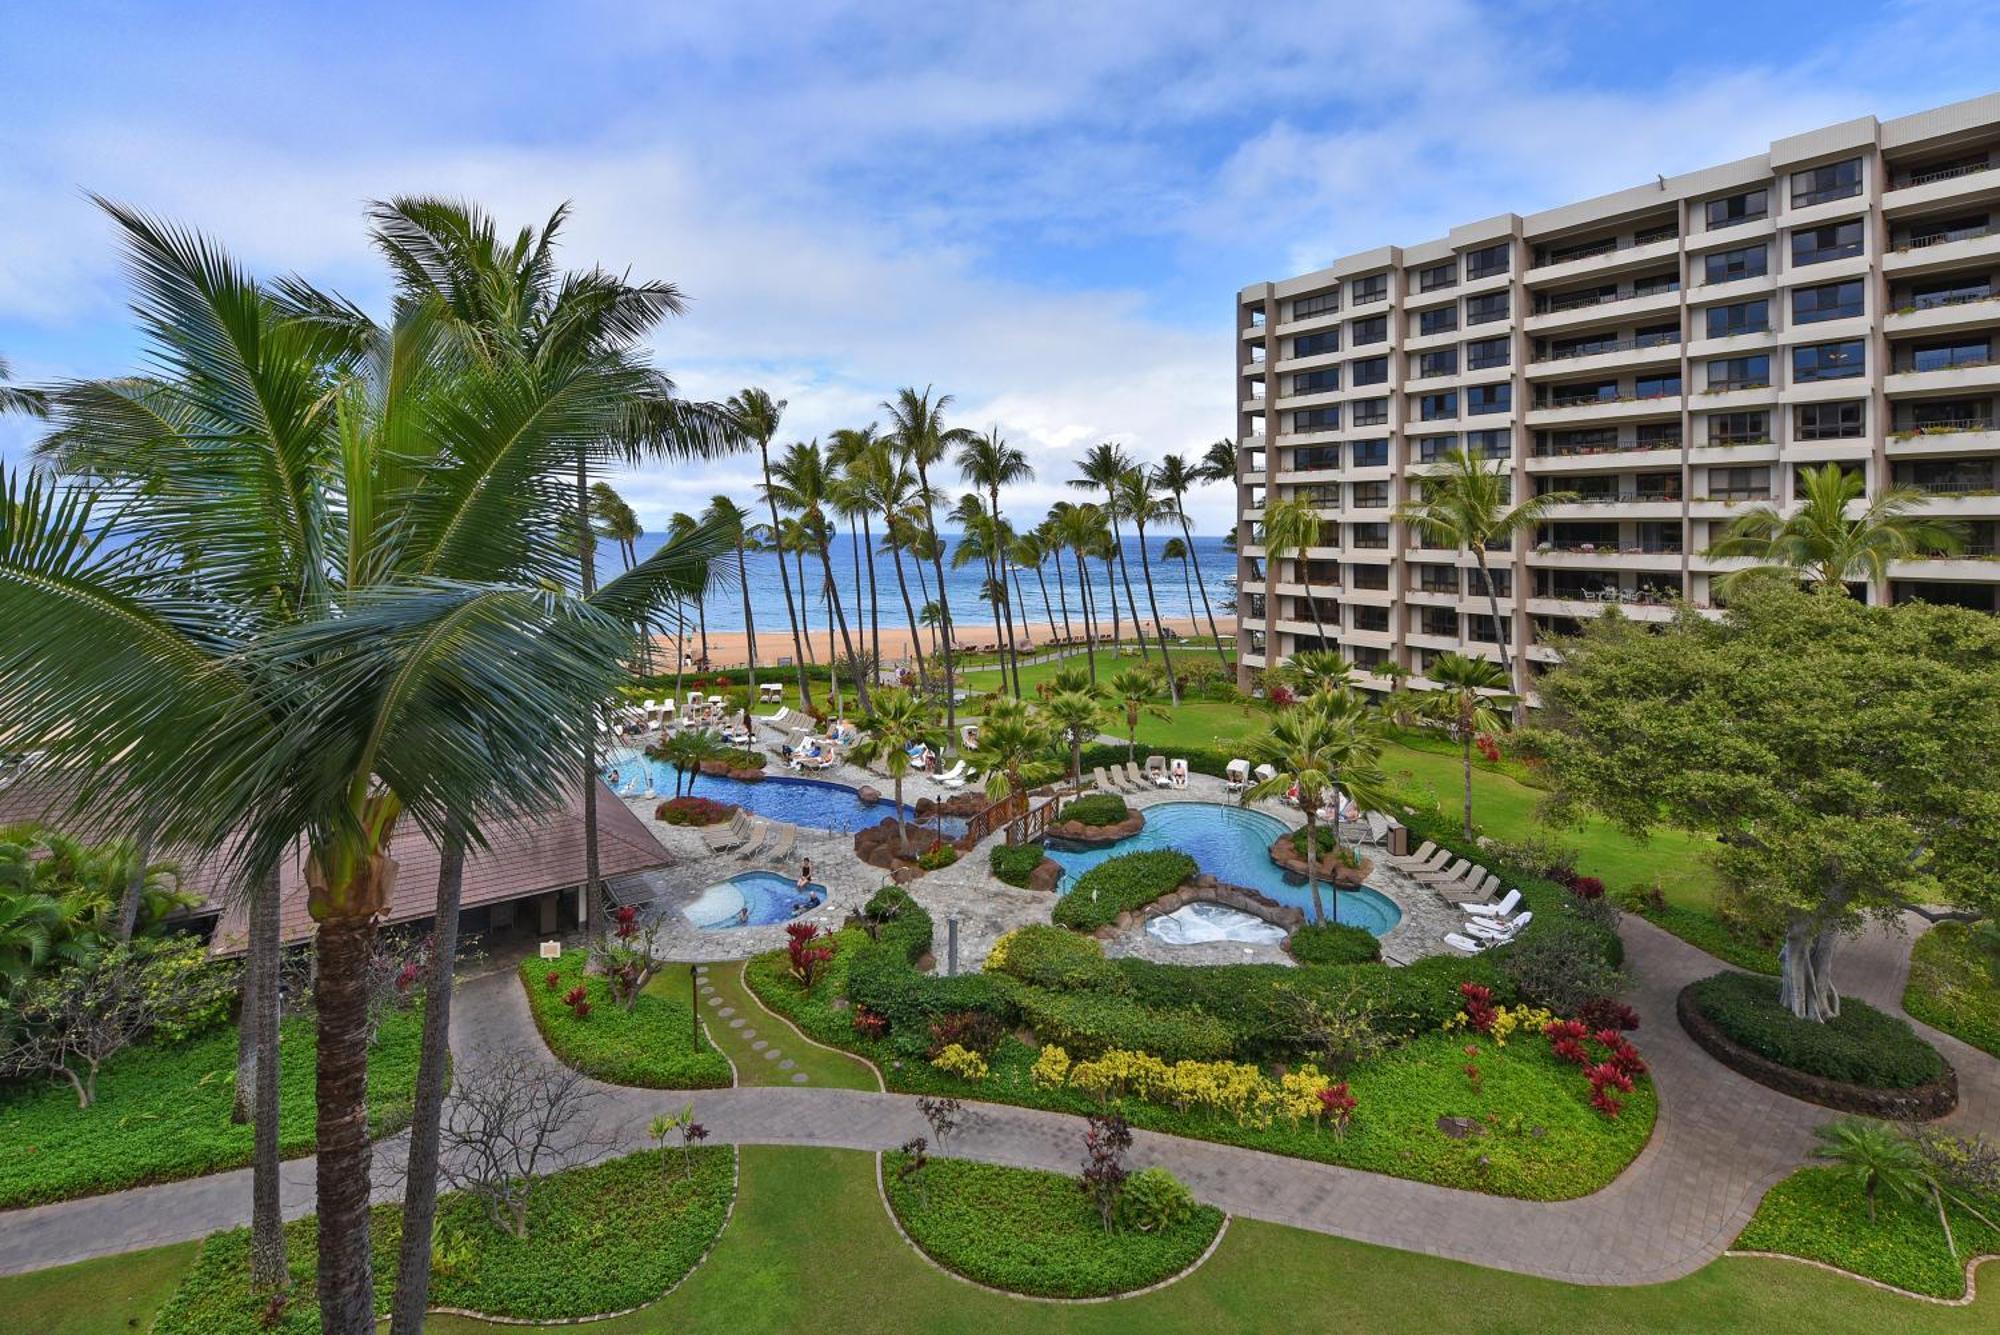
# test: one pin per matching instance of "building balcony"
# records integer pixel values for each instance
(1618, 354)
(1948, 250)
(1734, 236)
(1585, 556)
(1598, 458)
(1965, 435)
(1579, 310)
(1622, 505)
(1976, 564)
(1558, 413)
(1948, 185)
(1312, 324)
(1605, 259)
(1955, 500)
(1942, 316)
(1970, 377)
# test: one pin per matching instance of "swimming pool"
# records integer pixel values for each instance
(809, 802)
(1233, 844)
(752, 899)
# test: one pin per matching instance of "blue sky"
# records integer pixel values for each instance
(1043, 209)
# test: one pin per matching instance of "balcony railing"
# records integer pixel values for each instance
(1938, 300)
(1571, 451)
(1945, 173)
(1942, 427)
(1612, 345)
(1826, 194)
(1731, 439)
(1585, 400)
(1730, 495)
(1572, 301)
(1608, 549)
(1956, 487)
(1607, 246)
(1621, 497)
(1951, 361)
(1949, 234)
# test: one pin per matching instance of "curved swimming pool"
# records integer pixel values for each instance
(1233, 844)
(752, 899)
(809, 802)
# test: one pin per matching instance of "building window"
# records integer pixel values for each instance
(1828, 361)
(1375, 287)
(1487, 261)
(1375, 329)
(1322, 381)
(1829, 301)
(1740, 372)
(1438, 407)
(1371, 495)
(1726, 266)
(1436, 277)
(1831, 421)
(1944, 356)
(1317, 419)
(1744, 317)
(1313, 345)
(1948, 292)
(1372, 619)
(1733, 209)
(1817, 185)
(1951, 415)
(1485, 354)
(1315, 457)
(1503, 582)
(1435, 579)
(1371, 371)
(1371, 412)
(1483, 399)
(1574, 395)
(1370, 453)
(1305, 308)
(1739, 429)
(1440, 321)
(1835, 241)
(1432, 449)
(1368, 538)
(1739, 484)
(1657, 386)
(1490, 444)
(1442, 362)
(1486, 309)
(1656, 436)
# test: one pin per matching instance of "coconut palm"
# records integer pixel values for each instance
(1049, 540)
(1316, 670)
(1009, 742)
(1175, 476)
(1218, 462)
(1469, 701)
(1028, 551)
(857, 454)
(757, 416)
(1081, 528)
(989, 462)
(804, 481)
(732, 522)
(1134, 688)
(916, 424)
(1470, 506)
(1075, 713)
(1099, 470)
(980, 539)
(1873, 1155)
(1329, 744)
(359, 614)
(616, 522)
(1823, 545)
(1140, 503)
(902, 720)
(18, 399)
(1290, 527)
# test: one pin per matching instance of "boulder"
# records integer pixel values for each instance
(1045, 875)
(1293, 863)
(1076, 834)
(867, 795)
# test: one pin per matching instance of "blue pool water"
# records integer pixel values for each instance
(769, 897)
(809, 802)
(1233, 844)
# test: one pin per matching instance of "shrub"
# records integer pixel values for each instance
(1049, 956)
(1096, 809)
(1154, 1201)
(1861, 1045)
(1334, 943)
(1540, 855)
(976, 1031)
(937, 857)
(1562, 966)
(694, 811)
(1127, 882)
(961, 1062)
(1090, 1023)
(1014, 863)
(650, 1046)
(1325, 842)
(1607, 1013)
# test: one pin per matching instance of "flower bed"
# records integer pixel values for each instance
(1120, 885)
(1955, 983)
(606, 1238)
(651, 1046)
(694, 811)
(1859, 1047)
(1034, 1232)
(1822, 1215)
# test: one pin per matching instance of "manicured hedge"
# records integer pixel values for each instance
(1860, 1046)
(1033, 1232)
(162, 1112)
(1085, 1023)
(1955, 983)
(1015, 863)
(1047, 956)
(1822, 1215)
(606, 1238)
(650, 1046)
(1096, 809)
(1112, 887)
(1334, 943)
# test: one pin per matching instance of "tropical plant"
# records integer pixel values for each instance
(1291, 526)
(1469, 701)
(17, 399)
(989, 462)
(1140, 503)
(1875, 1157)
(1008, 744)
(1175, 476)
(1075, 717)
(1316, 670)
(804, 481)
(757, 415)
(1329, 746)
(1134, 688)
(616, 521)
(1821, 544)
(903, 721)
(1084, 529)
(729, 520)
(916, 424)
(1100, 470)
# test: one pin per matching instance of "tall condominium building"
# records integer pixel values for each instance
(1669, 354)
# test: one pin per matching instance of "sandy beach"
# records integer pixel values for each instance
(729, 649)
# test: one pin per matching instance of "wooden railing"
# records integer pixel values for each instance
(980, 825)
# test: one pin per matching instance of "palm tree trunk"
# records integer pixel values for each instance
(344, 1155)
(1187, 536)
(784, 578)
(1111, 583)
(749, 618)
(267, 1220)
(874, 594)
(1312, 603)
(1000, 558)
(1020, 599)
(135, 879)
(1312, 863)
(1048, 608)
(1465, 735)
(1146, 569)
(1500, 638)
(1085, 607)
(587, 570)
(944, 600)
(909, 610)
(1125, 573)
(1062, 594)
(413, 1262)
(846, 640)
(701, 619)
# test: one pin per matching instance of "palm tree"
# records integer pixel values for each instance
(891, 484)
(1028, 551)
(902, 720)
(757, 416)
(1009, 741)
(16, 399)
(858, 455)
(616, 522)
(1470, 506)
(1218, 462)
(1329, 743)
(1871, 1153)
(980, 540)
(679, 525)
(1823, 545)
(916, 424)
(1469, 701)
(1134, 688)
(989, 462)
(1075, 714)
(1175, 476)
(1084, 530)
(804, 482)
(1316, 670)
(1142, 505)
(725, 517)
(1049, 538)
(1099, 470)
(361, 613)
(1290, 527)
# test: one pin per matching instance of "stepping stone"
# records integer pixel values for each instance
(787, 1064)
(747, 1033)
(770, 1054)
(736, 1023)
(759, 1045)
(726, 1012)
(700, 969)
(715, 1001)
(799, 1079)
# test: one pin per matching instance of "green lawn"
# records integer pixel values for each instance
(1822, 1215)
(823, 1067)
(1955, 983)
(651, 1046)
(810, 1247)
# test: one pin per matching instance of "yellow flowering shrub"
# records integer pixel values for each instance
(961, 1062)
(1507, 1020)
(1298, 1094)
(1051, 1068)
(996, 958)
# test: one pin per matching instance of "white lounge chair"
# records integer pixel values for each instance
(1464, 944)
(1499, 909)
(771, 692)
(961, 779)
(1156, 771)
(1264, 773)
(1236, 776)
(1498, 932)
(1378, 827)
(780, 719)
(954, 775)
(760, 832)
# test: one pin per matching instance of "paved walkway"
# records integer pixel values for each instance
(1720, 1142)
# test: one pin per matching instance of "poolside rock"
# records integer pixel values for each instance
(723, 769)
(1206, 889)
(867, 795)
(1045, 875)
(1293, 863)
(1077, 834)
(960, 805)
(881, 845)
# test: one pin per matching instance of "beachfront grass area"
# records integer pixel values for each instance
(810, 1247)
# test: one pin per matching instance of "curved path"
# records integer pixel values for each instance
(1720, 1142)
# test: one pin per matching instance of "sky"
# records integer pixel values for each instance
(1042, 209)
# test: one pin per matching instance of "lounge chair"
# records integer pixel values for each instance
(759, 834)
(954, 775)
(1498, 932)
(1131, 777)
(720, 838)
(1378, 827)
(778, 720)
(1416, 859)
(1464, 943)
(1264, 772)
(1497, 910)
(788, 838)
(1483, 886)
(1236, 776)
(1156, 771)
(1434, 865)
(1102, 780)
(1452, 875)
(1177, 773)
(960, 779)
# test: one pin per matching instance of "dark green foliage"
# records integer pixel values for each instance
(650, 1046)
(1861, 1045)
(1096, 809)
(1034, 1232)
(1129, 881)
(1014, 863)
(1334, 943)
(606, 1238)
(1088, 1022)
(1047, 956)
(1200, 759)
(1565, 964)
(937, 857)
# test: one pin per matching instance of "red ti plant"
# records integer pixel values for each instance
(1586, 887)
(1488, 747)
(1471, 1067)
(1605, 1077)
(627, 919)
(552, 980)
(807, 959)
(1478, 1006)
(1339, 1106)
(578, 1000)
(868, 1024)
